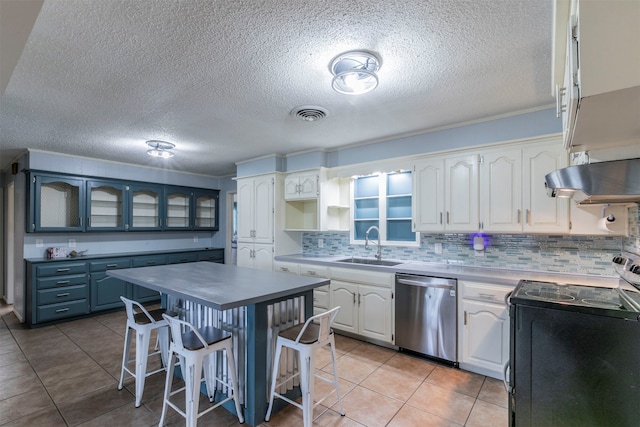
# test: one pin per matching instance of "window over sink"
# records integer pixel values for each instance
(383, 200)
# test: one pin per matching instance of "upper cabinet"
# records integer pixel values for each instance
(596, 72)
(514, 197)
(145, 201)
(313, 202)
(302, 186)
(57, 203)
(255, 209)
(445, 190)
(499, 190)
(106, 206)
(74, 203)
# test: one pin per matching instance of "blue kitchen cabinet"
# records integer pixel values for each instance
(190, 209)
(140, 293)
(145, 207)
(107, 206)
(178, 208)
(106, 290)
(57, 203)
(212, 255)
(206, 208)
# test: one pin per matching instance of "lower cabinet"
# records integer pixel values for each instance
(484, 334)
(366, 303)
(255, 255)
(62, 289)
(106, 290)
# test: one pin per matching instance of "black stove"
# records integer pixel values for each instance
(578, 298)
(574, 351)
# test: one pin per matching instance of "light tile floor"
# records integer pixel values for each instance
(67, 375)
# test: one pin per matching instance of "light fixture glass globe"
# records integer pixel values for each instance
(355, 82)
(355, 72)
(160, 149)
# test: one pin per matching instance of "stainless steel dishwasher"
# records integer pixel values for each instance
(426, 316)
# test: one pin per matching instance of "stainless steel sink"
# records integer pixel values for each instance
(369, 261)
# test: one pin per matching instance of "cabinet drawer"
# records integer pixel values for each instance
(212, 256)
(182, 258)
(362, 276)
(62, 310)
(285, 267)
(68, 293)
(314, 270)
(109, 264)
(485, 292)
(321, 298)
(59, 269)
(55, 282)
(145, 261)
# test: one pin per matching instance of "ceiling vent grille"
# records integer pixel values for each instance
(309, 113)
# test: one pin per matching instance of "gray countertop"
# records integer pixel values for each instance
(456, 271)
(218, 285)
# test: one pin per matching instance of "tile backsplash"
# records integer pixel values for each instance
(554, 253)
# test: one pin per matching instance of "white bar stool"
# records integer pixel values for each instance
(306, 338)
(142, 322)
(196, 348)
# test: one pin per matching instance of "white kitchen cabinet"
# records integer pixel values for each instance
(513, 195)
(446, 194)
(461, 197)
(345, 295)
(301, 186)
(596, 72)
(366, 303)
(256, 209)
(258, 256)
(501, 190)
(543, 214)
(315, 203)
(483, 338)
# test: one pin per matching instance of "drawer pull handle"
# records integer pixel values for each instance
(62, 270)
(63, 282)
(284, 268)
(62, 310)
(65, 294)
(311, 273)
(486, 296)
(151, 262)
(112, 265)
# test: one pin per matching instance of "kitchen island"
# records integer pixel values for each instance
(251, 304)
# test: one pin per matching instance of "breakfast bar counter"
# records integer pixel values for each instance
(251, 304)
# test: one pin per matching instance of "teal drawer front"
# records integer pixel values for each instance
(110, 264)
(56, 282)
(62, 310)
(69, 293)
(181, 258)
(145, 261)
(212, 256)
(60, 269)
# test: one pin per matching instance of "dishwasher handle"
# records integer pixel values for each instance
(430, 282)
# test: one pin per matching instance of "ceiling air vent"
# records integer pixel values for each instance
(309, 113)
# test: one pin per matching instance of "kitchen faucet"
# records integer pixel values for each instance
(366, 241)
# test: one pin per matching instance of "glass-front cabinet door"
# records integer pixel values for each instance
(57, 203)
(206, 209)
(178, 208)
(145, 202)
(106, 206)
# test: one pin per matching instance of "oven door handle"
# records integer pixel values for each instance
(506, 371)
(507, 299)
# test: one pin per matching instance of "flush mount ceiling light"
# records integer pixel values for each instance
(355, 72)
(160, 149)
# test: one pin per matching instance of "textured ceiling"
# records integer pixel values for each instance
(220, 78)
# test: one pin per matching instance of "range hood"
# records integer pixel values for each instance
(616, 181)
